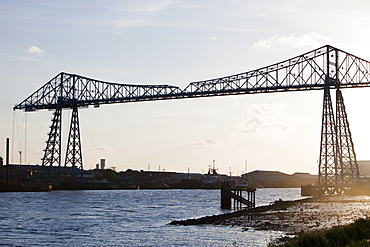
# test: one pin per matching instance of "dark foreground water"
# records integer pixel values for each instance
(124, 218)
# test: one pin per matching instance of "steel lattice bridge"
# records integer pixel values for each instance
(324, 68)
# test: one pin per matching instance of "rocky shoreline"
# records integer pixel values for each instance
(293, 217)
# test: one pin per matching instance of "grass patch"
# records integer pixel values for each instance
(352, 235)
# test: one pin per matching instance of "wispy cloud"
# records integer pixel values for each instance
(35, 50)
(207, 142)
(100, 149)
(128, 14)
(264, 120)
(294, 40)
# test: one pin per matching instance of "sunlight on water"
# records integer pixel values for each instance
(125, 218)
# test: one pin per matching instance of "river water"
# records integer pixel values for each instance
(124, 218)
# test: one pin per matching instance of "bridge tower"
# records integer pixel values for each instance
(338, 168)
(52, 152)
(74, 150)
(73, 166)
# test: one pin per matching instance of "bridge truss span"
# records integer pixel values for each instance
(310, 71)
(70, 90)
(324, 68)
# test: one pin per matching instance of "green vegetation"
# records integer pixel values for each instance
(352, 235)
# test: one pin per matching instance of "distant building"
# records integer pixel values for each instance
(364, 168)
(102, 164)
(276, 179)
(182, 176)
(36, 173)
(303, 178)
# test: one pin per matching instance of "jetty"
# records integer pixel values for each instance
(234, 193)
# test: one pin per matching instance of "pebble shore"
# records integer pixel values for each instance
(293, 217)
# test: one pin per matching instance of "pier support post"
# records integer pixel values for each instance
(225, 195)
(7, 160)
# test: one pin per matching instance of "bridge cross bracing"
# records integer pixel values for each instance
(324, 68)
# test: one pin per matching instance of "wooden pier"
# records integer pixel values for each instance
(235, 193)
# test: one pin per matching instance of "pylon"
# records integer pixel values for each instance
(346, 151)
(52, 152)
(328, 167)
(74, 151)
(338, 167)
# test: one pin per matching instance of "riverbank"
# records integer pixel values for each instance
(293, 217)
(352, 235)
(25, 187)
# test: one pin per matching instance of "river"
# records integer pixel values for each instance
(124, 218)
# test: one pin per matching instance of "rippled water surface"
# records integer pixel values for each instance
(124, 218)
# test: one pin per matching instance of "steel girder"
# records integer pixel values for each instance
(52, 152)
(349, 172)
(325, 66)
(338, 167)
(73, 167)
(328, 158)
(74, 150)
(71, 90)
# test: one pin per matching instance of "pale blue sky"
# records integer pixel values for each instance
(177, 42)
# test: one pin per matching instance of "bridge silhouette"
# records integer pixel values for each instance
(324, 68)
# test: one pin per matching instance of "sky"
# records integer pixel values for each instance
(177, 42)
